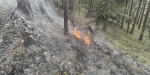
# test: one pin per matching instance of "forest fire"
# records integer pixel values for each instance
(84, 38)
(76, 34)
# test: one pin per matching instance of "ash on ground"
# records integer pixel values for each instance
(28, 50)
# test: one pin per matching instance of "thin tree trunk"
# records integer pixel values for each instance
(149, 31)
(138, 21)
(98, 19)
(128, 28)
(148, 26)
(145, 21)
(105, 22)
(137, 13)
(134, 9)
(129, 5)
(65, 17)
(142, 15)
(125, 11)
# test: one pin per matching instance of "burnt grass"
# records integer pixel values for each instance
(25, 50)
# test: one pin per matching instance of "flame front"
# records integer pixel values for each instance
(77, 34)
(86, 40)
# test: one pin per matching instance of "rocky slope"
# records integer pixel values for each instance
(40, 48)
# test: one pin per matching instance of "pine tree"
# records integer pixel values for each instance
(145, 22)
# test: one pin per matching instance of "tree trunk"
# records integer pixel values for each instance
(72, 11)
(105, 22)
(145, 21)
(128, 28)
(125, 11)
(128, 7)
(148, 23)
(98, 19)
(65, 17)
(137, 13)
(142, 15)
(134, 9)
(149, 31)
(149, 28)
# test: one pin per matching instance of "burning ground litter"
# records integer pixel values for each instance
(35, 47)
(78, 35)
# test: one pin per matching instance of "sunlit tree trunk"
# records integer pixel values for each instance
(148, 23)
(145, 21)
(128, 28)
(137, 13)
(125, 11)
(142, 16)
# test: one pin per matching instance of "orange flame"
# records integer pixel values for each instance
(86, 40)
(77, 34)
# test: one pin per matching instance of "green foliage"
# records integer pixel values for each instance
(101, 8)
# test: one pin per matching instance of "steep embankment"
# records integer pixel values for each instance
(39, 47)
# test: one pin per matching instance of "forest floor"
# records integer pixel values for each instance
(129, 43)
(126, 43)
(39, 47)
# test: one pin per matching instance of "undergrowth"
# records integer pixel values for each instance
(129, 43)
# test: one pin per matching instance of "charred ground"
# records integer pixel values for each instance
(25, 50)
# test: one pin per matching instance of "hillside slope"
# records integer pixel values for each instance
(39, 47)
